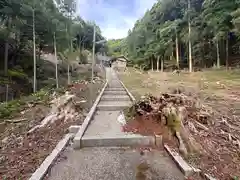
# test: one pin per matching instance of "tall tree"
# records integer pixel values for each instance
(197, 30)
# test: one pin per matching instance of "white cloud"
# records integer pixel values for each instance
(113, 22)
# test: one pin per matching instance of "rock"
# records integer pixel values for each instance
(2, 159)
(121, 119)
(5, 140)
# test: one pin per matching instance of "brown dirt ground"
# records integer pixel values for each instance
(24, 152)
(218, 90)
(148, 125)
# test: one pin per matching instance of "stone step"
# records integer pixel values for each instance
(120, 86)
(115, 89)
(117, 141)
(114, 85)
(115, 98)
(113, 106)
(115, 93)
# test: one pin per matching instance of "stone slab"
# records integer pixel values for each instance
(113, 106)
(117, 141)
(74, 129)
(158, 140)
(115, 92)
(115, 89)
(182, 164)
(115, 98)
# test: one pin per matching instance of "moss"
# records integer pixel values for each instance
(173, 122)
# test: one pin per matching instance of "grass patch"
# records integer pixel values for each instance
(217, 83)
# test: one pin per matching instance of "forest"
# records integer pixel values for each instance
(30, 29)
(189, 34)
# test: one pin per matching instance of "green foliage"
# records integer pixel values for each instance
(51, 19)
(156, 33)
(115, 47)
(17, 73)
(41, 95)
(10, 108)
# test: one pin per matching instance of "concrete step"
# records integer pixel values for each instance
(115, 93)
(117, 141)
(114, 85)
(115, 98)
(115, 89)
(113, 106)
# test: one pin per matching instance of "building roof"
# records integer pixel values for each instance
(120, 58)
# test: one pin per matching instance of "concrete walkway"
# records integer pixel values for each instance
(105, 129)
(106, 163)
(102, 156)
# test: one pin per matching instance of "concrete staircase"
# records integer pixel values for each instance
(104, 128)
(106, 152)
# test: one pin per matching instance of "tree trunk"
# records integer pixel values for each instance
(158, 58)
(68, 72)
(152, 63)
(189, 40)
(80, 52)
(162, 64)
(34, 56)
(218, 56)
(93, 53)
(6, 58)
(6, 66)
(56, 61)
(177, 52)
(227, 52)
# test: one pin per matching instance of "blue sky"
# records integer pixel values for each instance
(115, 17)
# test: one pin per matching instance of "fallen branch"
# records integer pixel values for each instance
(224, 121)
(201, 126)
(16, 121)
(231, 138)
(44, 122)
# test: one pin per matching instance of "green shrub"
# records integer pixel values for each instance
(10, 108)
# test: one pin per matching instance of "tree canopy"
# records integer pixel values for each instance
(25, 23)
(203, 32)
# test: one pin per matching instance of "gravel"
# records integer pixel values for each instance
(113, 164)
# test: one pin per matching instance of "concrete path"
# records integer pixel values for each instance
(104, 128)
(113, 164)
(98, 160)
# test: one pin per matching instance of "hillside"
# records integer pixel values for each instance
(28, 33)
(184, 34)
